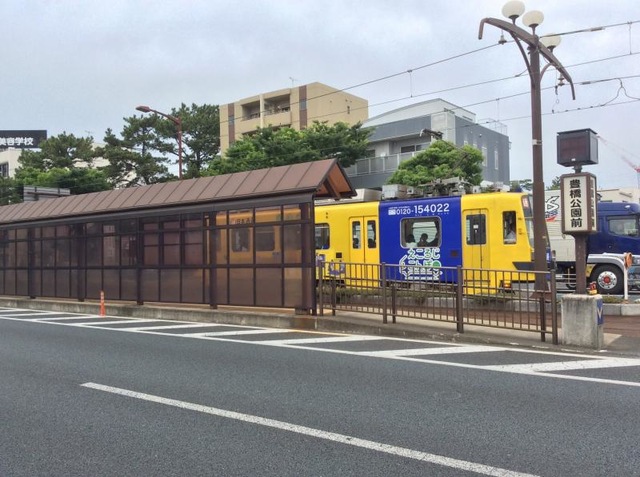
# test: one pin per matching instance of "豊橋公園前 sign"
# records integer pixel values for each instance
(578, 198)
(22, 139)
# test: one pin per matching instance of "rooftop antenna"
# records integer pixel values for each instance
(293, 80)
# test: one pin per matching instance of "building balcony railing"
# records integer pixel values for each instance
(277, 110)
(378, 164)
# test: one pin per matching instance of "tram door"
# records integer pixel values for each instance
(476, 252)
(364, 253)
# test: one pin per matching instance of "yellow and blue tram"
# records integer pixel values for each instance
(479, 232)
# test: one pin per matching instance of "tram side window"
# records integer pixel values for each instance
(322, 236)
(476, 229)
(265, 239)
(509, 226)
(421, 232)
(371, 234)
(356, 234)
(240, 240)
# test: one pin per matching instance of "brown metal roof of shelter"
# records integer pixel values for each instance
(325, 179)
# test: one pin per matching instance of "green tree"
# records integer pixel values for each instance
(200, 137)
(441, 160)
(10, 191)
(130, 161)
(149, 145)
(270, 147)
(555, 184)
(63, 161)
(79, 180)
(62, 151)
(522, 184)
(340, 140)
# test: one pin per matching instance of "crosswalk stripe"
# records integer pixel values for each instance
(324, 339)
(566, 365)
(114, 322)
(430, 351)
(63, 318)
(35, 315)
(171, 327)
(212, 334)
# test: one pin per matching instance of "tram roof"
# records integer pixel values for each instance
(320, 179)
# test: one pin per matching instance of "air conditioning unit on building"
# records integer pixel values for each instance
(394, 191)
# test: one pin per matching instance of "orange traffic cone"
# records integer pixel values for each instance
(102, 308)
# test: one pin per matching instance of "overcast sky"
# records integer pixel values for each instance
(82, 66)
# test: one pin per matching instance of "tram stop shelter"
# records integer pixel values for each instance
(242, 239)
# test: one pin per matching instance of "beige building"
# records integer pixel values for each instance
(625, 194)
(295, 107)
(9, 161)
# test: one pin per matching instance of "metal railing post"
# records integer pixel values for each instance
(543, 309)
(334, 299)
(394, 302)
(459, 298)
(554, 310)
(383, 281)
(320, 269)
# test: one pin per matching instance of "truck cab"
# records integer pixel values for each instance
(618, 229)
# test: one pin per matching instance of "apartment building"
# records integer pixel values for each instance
(400, 134)
(295, 107)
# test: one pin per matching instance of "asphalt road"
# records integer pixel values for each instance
(98, 396)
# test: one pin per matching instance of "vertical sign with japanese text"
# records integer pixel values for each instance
(578, 196)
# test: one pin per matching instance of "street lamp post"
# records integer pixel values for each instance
(536, 46)
(175, 120)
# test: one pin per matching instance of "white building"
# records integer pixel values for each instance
(401, 133)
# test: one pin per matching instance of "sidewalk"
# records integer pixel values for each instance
(622, 332)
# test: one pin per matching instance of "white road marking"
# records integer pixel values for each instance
(324, 339)
(430, 351)
(171, 327)
(64, 318)
(566, 365)
(93, 324)
(538, 370)
(34, 314)
(240, 332)
(317, 433)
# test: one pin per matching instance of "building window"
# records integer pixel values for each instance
(412, 148)
(496, 160)
(4, 169)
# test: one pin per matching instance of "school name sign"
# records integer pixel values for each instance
(22, 139)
